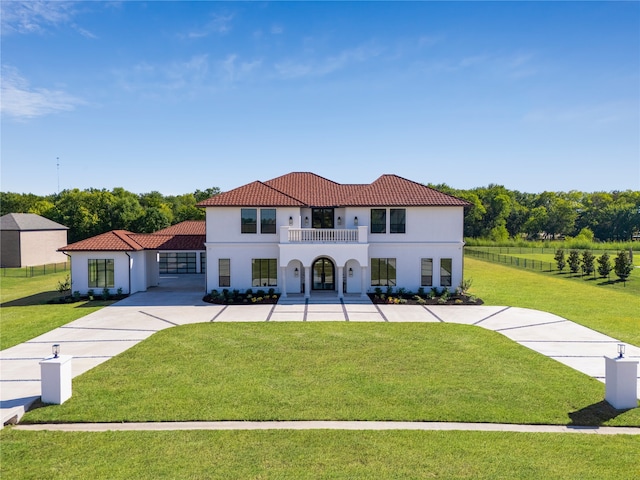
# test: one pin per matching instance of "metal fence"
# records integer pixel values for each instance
(528, 263)
(36, 270)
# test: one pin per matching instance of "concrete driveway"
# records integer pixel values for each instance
(97, 337)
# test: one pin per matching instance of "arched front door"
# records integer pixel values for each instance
(323, 274)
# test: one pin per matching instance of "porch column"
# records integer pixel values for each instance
(363, 282)
(340, 280)
(307, 281)
(283, 290)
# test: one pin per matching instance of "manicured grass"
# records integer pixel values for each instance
(25, 313)
(612, 312)
(332, 371)
(317, 454)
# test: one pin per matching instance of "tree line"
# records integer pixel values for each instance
(496, 213)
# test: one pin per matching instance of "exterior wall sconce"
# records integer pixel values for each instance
(55, 349)
(621, 347)
(290, 221)
(306, 221)
(339, 220)
(296, 272)
(350, 272)
(355, 221)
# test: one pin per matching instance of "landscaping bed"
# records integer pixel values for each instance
(434, 296)
(249, 297)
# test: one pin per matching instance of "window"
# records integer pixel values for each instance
(445, 272)
(249, 218)
(178, 262)
(224, 272)
(101, 273)
(203, 262)
(322, 217)
(398, 219)
(383, 272)
(268, 220)
(426, 272)
(264, 272)
(378, 220)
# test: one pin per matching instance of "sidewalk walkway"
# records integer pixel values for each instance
(96, 338)
(327, 425)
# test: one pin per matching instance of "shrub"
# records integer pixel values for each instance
(421, 291)
(623, 265)
(588, 262)
(604, 265)
(419, 300)
(90, 294)
(105, 293)
(377, 291)
(64, 286)
(574, 261)
(389, 290)
(559, 258)
(464, 286)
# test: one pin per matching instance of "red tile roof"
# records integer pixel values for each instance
(311, 190)
(115, 240)
(188, 227)
(189, 235)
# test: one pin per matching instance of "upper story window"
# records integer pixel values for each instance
(398, 218)
(249, 219)
(378, 220)
(322, 218)
(268, 220)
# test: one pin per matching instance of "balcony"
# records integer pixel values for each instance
(323, 235)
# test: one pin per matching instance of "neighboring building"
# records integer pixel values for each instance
(301, 233)
(133, 262)
(28, 240)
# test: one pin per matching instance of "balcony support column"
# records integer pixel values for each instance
(340, 282)
(363, 279)
(307, 282)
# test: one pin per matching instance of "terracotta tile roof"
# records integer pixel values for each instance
(392, 190)
(188, 227)
(115, 240)
(311, 190)
(255, 194)
(153, 241)
(124, 241)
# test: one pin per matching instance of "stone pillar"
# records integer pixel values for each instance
(621, 382)
(56, 379)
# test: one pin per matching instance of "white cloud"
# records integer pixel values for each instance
(36, 16)
(20, 100)
(276, 30)
(236, 70)
(301, 68)
(217, 25)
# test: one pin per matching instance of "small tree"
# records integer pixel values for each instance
(559, 258)
(588, 261)
(604, 265)
(574, 261)
(623, 265)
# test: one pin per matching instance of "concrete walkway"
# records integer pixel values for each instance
(97, 337)
(326, 425)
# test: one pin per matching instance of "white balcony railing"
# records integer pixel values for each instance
(323, 235)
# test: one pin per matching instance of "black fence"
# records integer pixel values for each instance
(528, 263)
(36, 271)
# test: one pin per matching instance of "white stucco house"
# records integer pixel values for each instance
(298, 234)
(302, 233)
(132, 262)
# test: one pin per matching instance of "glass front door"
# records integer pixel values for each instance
(323, 275)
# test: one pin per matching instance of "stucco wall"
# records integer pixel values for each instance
(80, 271)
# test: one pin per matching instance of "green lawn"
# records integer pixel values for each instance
(25, 314)
(614, 312)
(317, 455)
(333, 371)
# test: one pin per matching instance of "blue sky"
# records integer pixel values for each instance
(179, 96)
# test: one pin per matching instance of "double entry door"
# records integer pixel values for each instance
(324, 277)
